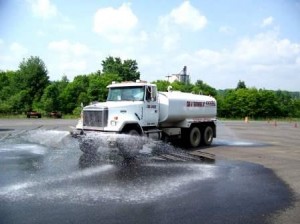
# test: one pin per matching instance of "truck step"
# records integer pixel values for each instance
(156, 132)
(152, 131)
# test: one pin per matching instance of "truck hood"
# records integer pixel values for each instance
(112, 104)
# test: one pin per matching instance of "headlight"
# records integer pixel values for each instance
(114, 121)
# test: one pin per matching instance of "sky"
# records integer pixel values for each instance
(220, 42)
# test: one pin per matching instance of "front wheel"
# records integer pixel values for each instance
(88, 146)
(132, 132)
(130, 144)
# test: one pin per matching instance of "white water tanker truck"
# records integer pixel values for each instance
(137, 108)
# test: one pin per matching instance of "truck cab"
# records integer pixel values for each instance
(130, 106)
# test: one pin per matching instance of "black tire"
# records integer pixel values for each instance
(133, 132)
(129, 147)
(87, 146)
(208, 135)
(194, 137)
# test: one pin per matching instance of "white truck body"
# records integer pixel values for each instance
(137, 108)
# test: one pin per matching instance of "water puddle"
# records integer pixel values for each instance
(237, 143)
(59, 174)
(111, 183)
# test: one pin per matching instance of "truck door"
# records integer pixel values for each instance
(151, 107)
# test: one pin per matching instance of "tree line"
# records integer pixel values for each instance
(29, 88)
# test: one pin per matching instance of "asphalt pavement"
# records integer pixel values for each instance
(44, 178)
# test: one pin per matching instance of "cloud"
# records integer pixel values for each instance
(226, 30)
(264, 61)
(264, 57)
(68, 48)
(65, 24)
(70, 58)
(170, 41)
(115, 24)
(186, 17)
(267, 21)
(74, 65)
(18, 49)
(11, 55)
(43, 8)
(268, 49)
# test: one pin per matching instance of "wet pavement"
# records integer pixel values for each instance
(44, 178)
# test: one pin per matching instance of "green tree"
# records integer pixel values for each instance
(296, 112)
(70, 95)
(180, 86)
(4, 81)
(284, 100)
(127, 70)
(50, 100)
(241, 85)
(162, 85)
(130, 70)
(33, 77)
(267, 105)
(20, 101)
(203, 88)
(8, 84)
(98, 83)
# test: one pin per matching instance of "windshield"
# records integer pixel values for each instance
(130, 93)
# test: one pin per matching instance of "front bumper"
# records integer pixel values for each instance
(91, 141)
(110, 137)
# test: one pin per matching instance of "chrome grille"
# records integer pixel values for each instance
(95, 118)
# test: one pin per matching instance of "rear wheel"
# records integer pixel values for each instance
(208, 135)
(194, 136)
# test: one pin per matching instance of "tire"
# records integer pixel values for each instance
(130, 146)
(87, 146)
(194, 137)
(208, 135)
(132, 132)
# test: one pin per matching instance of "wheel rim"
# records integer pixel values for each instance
(195, 137)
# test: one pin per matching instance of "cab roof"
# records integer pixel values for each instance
(130, 83)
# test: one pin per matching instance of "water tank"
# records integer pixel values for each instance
(176, 106)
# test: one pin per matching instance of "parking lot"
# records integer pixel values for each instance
(46, 179)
